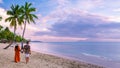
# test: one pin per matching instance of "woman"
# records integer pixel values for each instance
(17, 53)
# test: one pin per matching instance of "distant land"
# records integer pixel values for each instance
(36, 41)
(95, 41)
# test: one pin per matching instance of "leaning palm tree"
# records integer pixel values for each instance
(14, 19)
(27, 16)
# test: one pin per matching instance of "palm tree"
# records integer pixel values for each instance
(14, 19)
(27, 16)
(0, 25)
(0, 18)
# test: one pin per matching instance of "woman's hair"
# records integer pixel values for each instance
(16, 47)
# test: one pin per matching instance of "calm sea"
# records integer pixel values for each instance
(103, 53)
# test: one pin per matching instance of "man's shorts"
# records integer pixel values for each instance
(27, 55)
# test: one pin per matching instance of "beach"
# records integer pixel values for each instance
(39, 60)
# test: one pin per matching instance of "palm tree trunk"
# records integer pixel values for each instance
(23, 34)
(13, 39)
(14, 34)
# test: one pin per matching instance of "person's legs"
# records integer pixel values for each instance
(27, 58)
(19, 57)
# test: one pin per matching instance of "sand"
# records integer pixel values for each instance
(39, 60)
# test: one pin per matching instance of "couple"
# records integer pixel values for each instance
(26, 50)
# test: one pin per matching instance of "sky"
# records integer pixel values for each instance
(70, 20)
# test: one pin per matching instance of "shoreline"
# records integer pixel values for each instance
(95, 59)
(39, 60)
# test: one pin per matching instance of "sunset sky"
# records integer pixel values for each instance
(70, 20)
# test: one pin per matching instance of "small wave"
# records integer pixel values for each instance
(97, 56)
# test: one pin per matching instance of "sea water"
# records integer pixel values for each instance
(102, 53)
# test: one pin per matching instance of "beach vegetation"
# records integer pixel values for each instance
(6, 36)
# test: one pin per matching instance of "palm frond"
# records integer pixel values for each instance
(9, 19)
(33, 15)
(9, 12)
(32, 10)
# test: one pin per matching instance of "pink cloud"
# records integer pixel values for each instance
(47, 38)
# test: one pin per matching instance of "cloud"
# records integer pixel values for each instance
(90, 4)
(86, 28)
(114, 18)
(62, 3)
(4, 16)
(117, 10)
(1, 1)
(80, 4)
(63, 9)
(78, 24)
(48, 38)
(74, 20)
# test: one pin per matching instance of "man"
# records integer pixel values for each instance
(27, 51)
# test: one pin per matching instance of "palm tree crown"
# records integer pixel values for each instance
(14, 16)
(27, 13)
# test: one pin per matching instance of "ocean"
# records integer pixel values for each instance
(101, 53)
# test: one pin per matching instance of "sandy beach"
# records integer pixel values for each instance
(39, 60)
